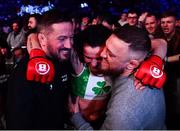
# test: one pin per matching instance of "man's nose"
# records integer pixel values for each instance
(103, 53)
(94, 63)
(68, 44)
(165, 24)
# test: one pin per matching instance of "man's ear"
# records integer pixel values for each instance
(42, 40)
(133, 64)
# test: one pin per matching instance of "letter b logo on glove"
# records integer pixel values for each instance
(155, 72)
(39, 68)
(42, 68)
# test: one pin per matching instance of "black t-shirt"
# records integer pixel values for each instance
(32, 105)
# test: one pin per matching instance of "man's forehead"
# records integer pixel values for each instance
(149, 19)
(32, 19)
(115, 44)
(15, 24)
(62, 24)
(168, 18)
(132, 14)
(63, 28)
(92, 51)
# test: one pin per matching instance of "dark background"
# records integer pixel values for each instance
(9, 8)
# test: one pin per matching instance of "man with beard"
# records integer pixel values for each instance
(33, 22)
(128, 108)
(35, 105)
(32, 27)
(16, 38)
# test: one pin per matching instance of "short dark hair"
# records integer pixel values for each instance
(36, 16)
(150, 15)
(168, 13)
(52, 17)
(133, 11)
(109, 18)
(137, 38)
(94, 35)
(18, 48)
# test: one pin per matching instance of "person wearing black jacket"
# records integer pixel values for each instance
(35, 105)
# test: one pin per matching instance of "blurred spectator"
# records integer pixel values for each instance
(152, 26)
(123, 19)
(18, 54)
(177, 23)
(84, 22)
(16, 38)
(132, 18)
(32, 27)
(4, 53)
(97, 20)
(172, 87)
(32, 23)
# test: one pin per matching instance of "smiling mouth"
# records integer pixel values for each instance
(64, 51)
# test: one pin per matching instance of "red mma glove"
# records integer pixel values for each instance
(39, 68)
(150, 72)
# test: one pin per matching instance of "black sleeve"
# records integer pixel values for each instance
(19, 99)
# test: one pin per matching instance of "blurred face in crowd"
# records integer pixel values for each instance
(114, 56)
(132, 19)
(94, 21)
(178, 23)
(18, 54)
(15, 27)
(32, 23)
(92, 58)
(57, 40)
(168, 25)
(151, 24)
(97, 20)
(124, 17)
(85, 20)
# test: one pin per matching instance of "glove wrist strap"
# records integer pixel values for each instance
(37, 53)
(156, 59)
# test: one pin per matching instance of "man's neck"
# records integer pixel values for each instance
(126, 73)
(169, 36)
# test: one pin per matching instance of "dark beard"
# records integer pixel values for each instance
(114, 73)
(32, 31)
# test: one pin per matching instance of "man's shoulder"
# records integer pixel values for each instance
(126, 84)
(10, 33)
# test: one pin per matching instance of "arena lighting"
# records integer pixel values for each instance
(29, 9)
(83, 5)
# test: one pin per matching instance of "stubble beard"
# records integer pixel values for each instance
(109, 71)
